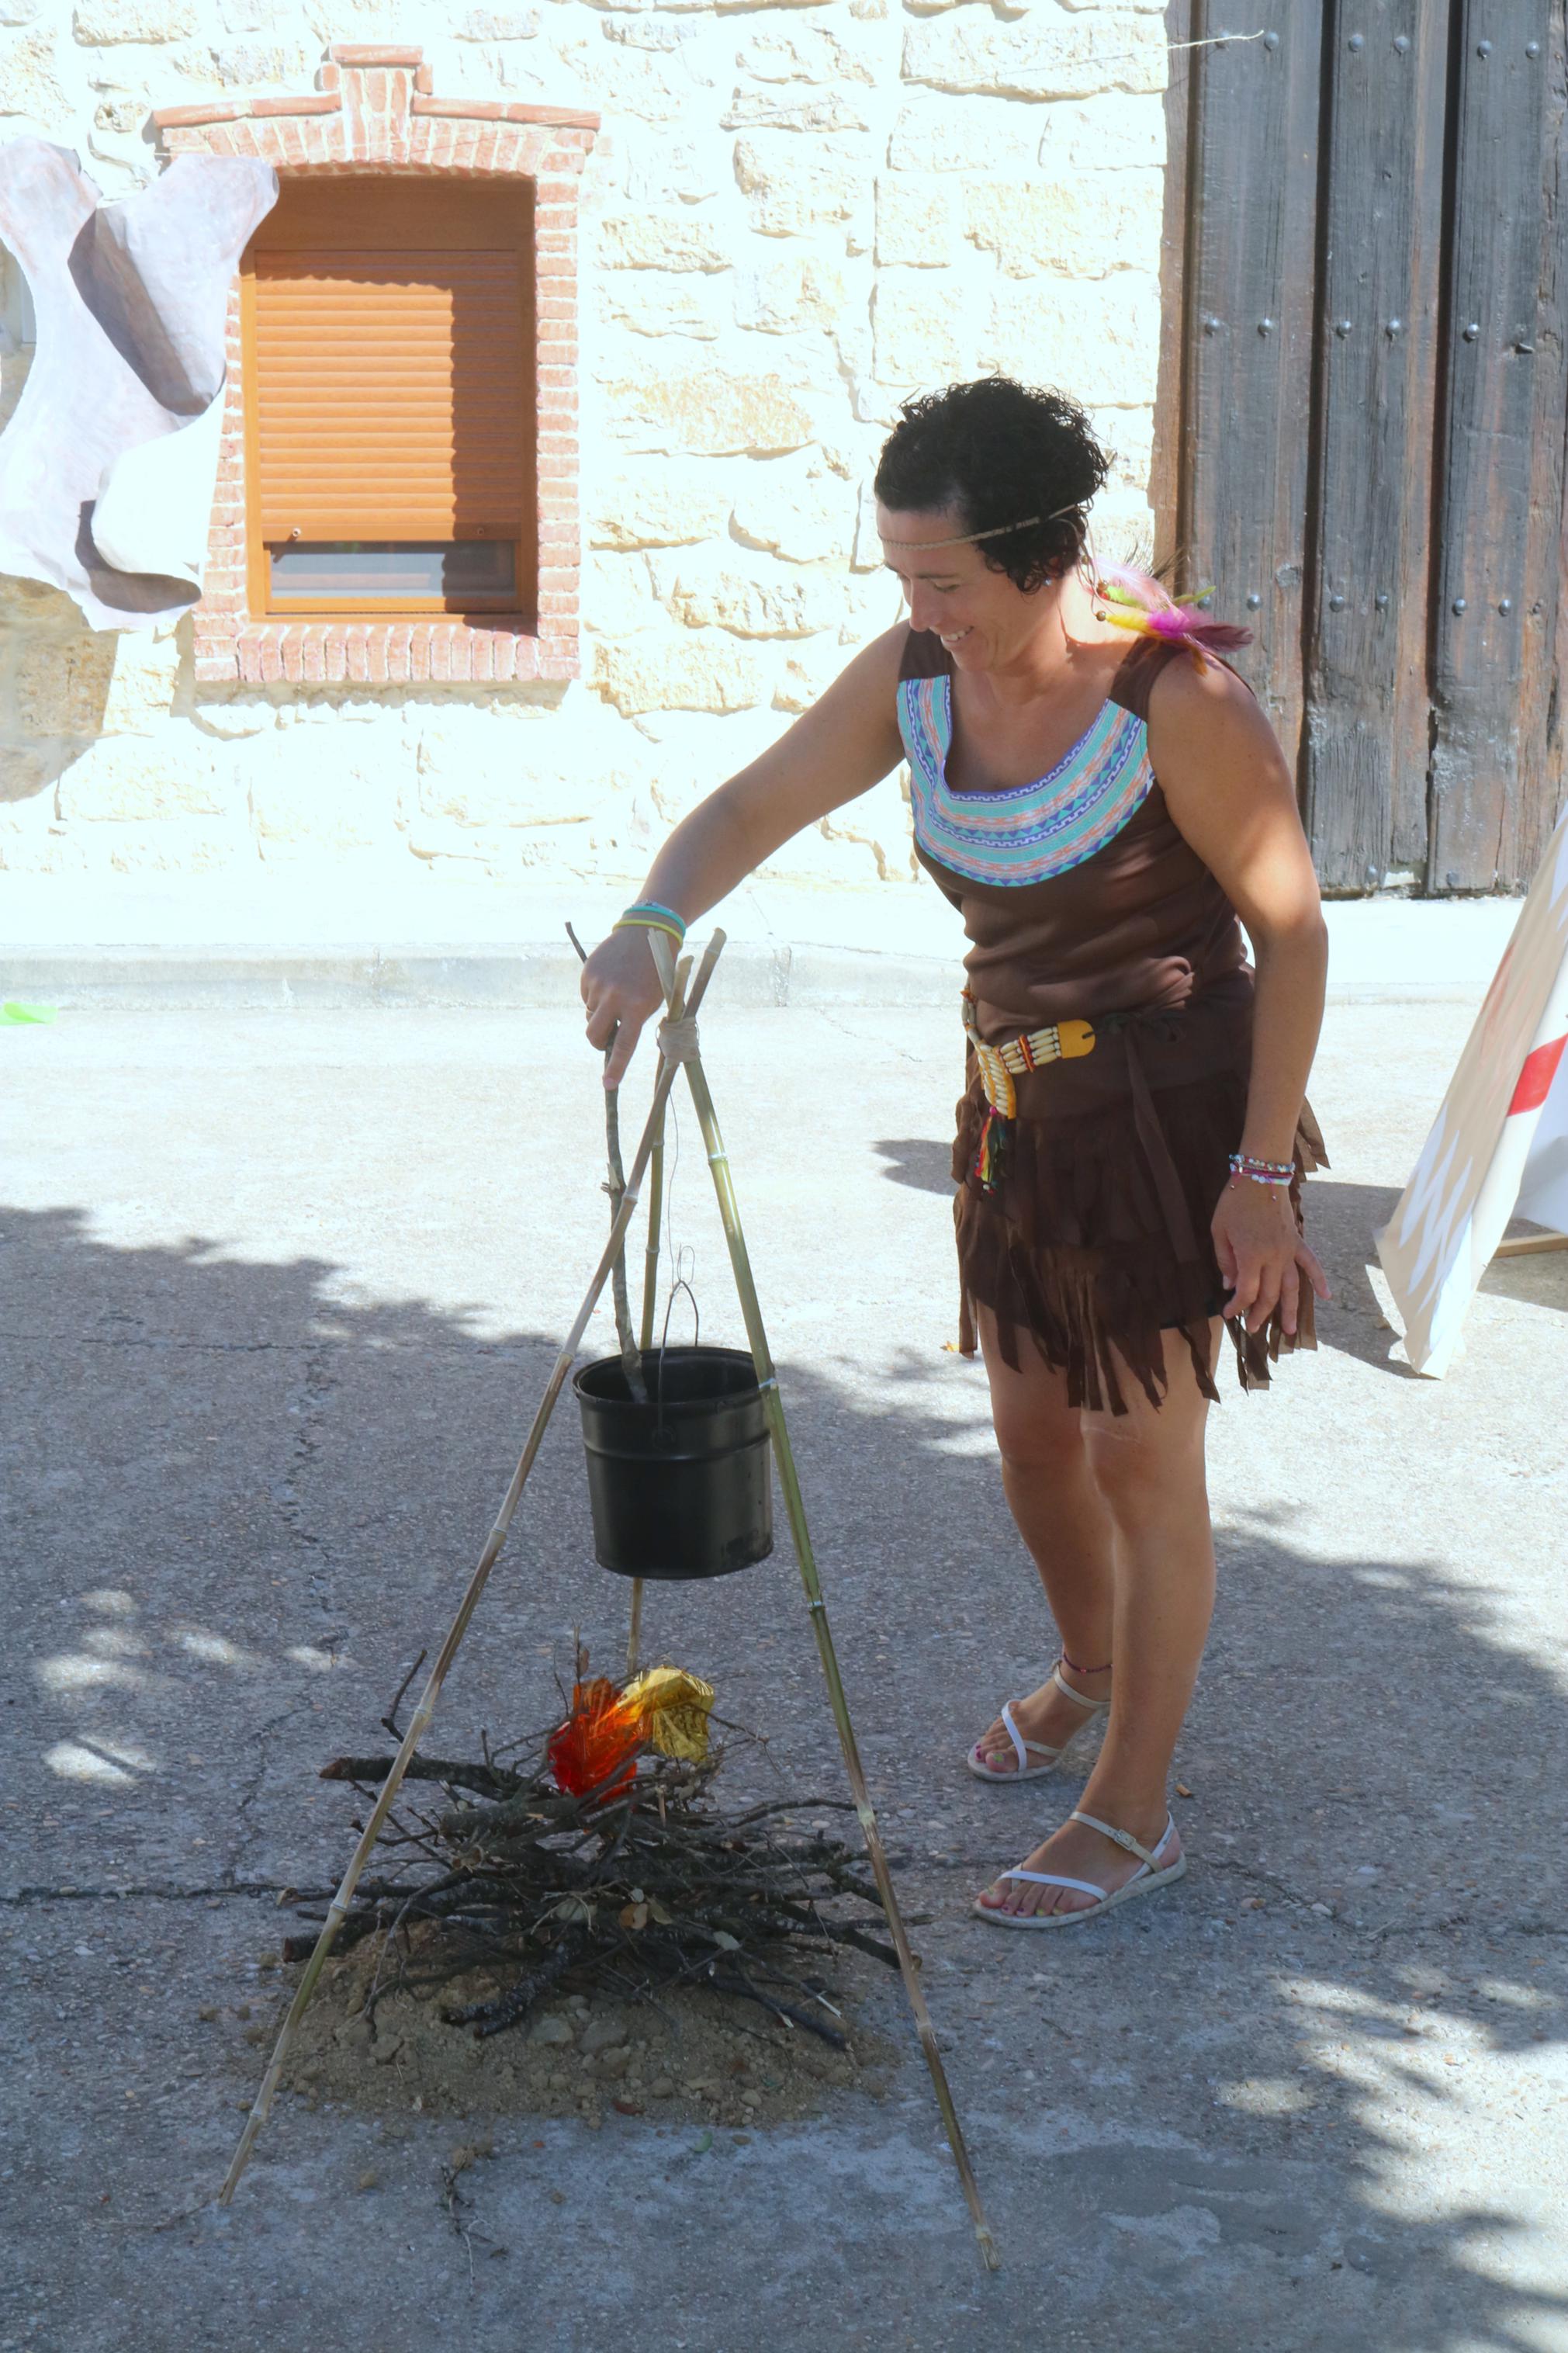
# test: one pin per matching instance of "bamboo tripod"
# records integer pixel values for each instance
(678, 1044)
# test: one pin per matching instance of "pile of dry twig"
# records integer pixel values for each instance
(630, 1890)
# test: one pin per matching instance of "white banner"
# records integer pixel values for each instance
(1498, 1147)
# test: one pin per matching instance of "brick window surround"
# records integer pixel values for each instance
(374, 111)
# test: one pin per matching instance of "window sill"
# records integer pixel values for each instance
(381, 651)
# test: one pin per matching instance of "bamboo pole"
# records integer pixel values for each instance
(783, 1453)
(338, 1909)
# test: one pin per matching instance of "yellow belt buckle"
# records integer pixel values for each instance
(1074, 1039)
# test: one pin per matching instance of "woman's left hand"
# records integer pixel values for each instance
(1262, 1258)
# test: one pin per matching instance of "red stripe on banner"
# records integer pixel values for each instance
(1535, 1079)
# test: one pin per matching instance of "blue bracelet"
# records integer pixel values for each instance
(652, 907)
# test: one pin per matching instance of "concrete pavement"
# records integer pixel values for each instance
(279, 1294)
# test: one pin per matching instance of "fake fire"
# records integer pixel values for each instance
(595, 1749)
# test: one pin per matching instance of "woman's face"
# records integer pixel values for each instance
(981, 617)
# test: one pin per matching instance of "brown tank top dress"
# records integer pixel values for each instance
(1084, 903)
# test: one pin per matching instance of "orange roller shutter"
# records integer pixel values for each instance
(389, 377)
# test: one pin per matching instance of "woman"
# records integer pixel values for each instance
(1100, 806)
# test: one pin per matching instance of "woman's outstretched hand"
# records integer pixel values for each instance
(1262, 1258)
(620, 988)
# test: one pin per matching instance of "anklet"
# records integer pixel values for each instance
(1085, 1671)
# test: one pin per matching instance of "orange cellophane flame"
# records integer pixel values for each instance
(596, 1749)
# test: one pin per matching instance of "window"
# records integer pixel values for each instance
(387, 328)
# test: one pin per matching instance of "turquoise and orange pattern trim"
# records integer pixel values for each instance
(1030, 832)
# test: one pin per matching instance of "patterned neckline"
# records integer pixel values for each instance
(1008, 792)
(1022, 833)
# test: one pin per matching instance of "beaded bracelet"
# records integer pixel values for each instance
(1262, 1172)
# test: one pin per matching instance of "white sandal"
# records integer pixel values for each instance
(1143, 1882)
(1024, 1749)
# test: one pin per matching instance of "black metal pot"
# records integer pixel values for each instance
(681, 1486)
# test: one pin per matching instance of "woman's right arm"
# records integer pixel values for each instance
(847, 742)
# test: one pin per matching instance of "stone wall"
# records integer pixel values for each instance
(795, 214)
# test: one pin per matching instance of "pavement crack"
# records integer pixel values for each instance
(160, 1891)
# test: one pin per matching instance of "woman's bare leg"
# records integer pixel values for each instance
(1148, 1468)
(1049, 1480)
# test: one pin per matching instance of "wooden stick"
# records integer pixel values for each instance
(750, 1310)
(1530, 1245)
(338, 1908)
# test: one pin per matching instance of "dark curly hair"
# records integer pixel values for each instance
(996, 450)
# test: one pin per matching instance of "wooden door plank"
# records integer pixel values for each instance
(1542, 784)
(1492, 344)
(1248, 327)
(1365, 756)
(1165, 456)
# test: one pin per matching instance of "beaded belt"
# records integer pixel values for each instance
(1059, 1042)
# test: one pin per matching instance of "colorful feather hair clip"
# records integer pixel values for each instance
(1134, 601)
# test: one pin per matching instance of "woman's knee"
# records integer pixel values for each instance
(1041, 1444)
(1140, 1468)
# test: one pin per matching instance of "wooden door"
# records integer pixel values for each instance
(1373, 397)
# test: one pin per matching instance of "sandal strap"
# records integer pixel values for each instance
(1055, 1879)
(1082, 1698)
(1021, 1746)
(1125, 1839)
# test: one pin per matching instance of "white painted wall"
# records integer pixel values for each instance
(797, 213)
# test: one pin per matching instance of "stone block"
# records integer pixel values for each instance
(915, 222)
(230, 722)
(806, 674)
(811, 54)
(61, 685)
(662, 172)
(490, 25)
(793, 606)
(1100, 341)
(625, 81)
(309, 798)
(644, 240)
(141, 684)
(968, 52)
(655, 305)
(918, 332)
(1085, 226)
(179, 848)
(767, 110)
(792, 192)
(123, 780)
(789, 297)
(937, 135)
(650, 511)
(618, 595)
(29, 85)
(249, 65)
(18, 12)
(1113, 133)
(680, 675)
(806, 519)
(99, 22)
(708, 412)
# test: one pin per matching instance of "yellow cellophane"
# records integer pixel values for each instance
(675, 1707)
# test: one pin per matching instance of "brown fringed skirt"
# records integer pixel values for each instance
(1095, 1240)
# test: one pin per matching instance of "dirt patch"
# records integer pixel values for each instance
(693, 2056)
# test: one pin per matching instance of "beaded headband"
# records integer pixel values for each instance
(997, 531)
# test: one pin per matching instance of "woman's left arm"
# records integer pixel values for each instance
(1230, 795)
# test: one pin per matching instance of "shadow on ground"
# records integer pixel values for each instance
(237, 1507)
